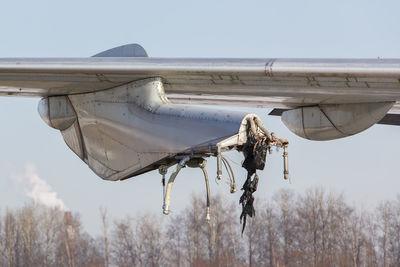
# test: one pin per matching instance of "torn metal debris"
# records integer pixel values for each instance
(255, 141)
(247, 199)
(259, 141)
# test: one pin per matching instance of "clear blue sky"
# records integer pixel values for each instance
(365, 167)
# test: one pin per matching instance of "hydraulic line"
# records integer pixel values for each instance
(219, 167)
(232, 178)
(227, 170)
(163, 171)
(208, 218)
(171, 180)
(285, 163)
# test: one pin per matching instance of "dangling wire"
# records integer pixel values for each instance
(230, 173)
(163, 184)
(226, 168)
(235, 162)
(163, 171)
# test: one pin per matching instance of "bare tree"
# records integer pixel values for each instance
(251, 237)
(9, 239)
(50, 224)
(395, 233)
(175, 242)
(313, 229)
(195, 242)
(104, 220)
(270, 224)
(219, 232)
(385, 212)
(287, 224)
(28, 228)
(149, 240)
(123, 243)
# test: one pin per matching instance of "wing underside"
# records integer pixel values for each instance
(114, 110)
(272, 83)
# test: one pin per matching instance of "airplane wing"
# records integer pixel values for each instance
(124, 113)
(275, 83)
(132, 127)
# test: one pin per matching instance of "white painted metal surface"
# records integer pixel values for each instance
(57, 112)
(328, 122)
(133, 128)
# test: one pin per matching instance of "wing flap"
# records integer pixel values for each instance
(389, 119)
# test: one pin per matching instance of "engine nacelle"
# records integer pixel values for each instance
(333, 121)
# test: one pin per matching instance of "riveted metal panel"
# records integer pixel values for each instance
(130, 127)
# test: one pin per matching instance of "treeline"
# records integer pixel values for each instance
(313, 229)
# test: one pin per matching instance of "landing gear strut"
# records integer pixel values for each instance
(255, 142)
(192, 163)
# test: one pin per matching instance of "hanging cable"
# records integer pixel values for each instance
(208, 218)
(227, 170)
(235, 162)
(232, 178)
(163, 171)
(167, 197)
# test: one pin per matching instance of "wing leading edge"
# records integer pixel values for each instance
(277, 83)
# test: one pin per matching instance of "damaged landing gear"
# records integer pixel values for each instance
(259, 141)
(255, 142)
(192, 163)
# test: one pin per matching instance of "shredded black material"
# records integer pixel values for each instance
(247, 199)
(255, 152)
